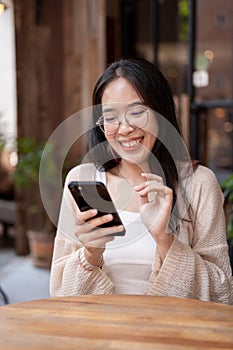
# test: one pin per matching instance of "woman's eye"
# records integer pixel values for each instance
(137, 112)
(110, 119)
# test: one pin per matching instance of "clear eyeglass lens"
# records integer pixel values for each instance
(137, 117)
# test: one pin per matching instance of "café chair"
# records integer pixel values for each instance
(3, 296)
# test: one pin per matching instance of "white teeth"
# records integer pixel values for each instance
(131, 143)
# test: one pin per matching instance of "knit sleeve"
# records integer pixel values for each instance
(198, 267)
(71, 274)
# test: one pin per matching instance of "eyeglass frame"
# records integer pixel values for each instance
(146, 110)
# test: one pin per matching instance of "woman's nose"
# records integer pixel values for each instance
(124, 126)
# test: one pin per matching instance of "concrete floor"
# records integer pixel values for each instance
(20, 280)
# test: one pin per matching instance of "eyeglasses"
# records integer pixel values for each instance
(137, 117)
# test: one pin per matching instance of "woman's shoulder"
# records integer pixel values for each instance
(82, 172)
(204, 174)
(195, 173)
(206, 180)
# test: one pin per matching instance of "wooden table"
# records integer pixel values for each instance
(116, 322)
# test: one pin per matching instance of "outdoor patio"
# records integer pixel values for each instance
(20, 280)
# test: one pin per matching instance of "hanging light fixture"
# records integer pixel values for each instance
(3, 7)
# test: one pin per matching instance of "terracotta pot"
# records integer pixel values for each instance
(41, 248)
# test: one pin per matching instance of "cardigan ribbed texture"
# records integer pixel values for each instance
(196, 265)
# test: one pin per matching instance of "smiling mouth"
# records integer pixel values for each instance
(131, 143)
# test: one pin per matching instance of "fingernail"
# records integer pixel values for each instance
(93, 211)
(108, 217)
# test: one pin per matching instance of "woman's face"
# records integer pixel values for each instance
(131, 143)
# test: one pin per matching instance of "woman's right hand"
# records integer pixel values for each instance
(92, 237)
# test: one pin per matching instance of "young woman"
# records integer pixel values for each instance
(172, 210)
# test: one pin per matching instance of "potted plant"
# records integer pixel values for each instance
(6, 168)
(40, 229)
(227, 187)
(7, 205)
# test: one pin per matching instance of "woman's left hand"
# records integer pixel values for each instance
(155, 208)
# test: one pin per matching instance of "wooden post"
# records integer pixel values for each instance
(60, 52)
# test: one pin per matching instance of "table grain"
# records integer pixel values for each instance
(119, 322)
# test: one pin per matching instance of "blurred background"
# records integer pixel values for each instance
(51, 54)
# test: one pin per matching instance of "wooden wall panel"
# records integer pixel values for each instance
(85, 50)
(60, 53)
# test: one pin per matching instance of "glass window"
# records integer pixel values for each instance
(214, 48)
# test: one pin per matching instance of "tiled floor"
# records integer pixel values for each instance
(19, 279)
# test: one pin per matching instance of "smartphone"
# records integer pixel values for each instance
(94, 194)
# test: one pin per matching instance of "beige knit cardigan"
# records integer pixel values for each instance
(196, 266)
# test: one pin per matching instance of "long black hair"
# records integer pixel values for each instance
(155, 92)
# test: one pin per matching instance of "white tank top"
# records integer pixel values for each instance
(128, 260)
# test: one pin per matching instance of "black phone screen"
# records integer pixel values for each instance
(94, 194)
